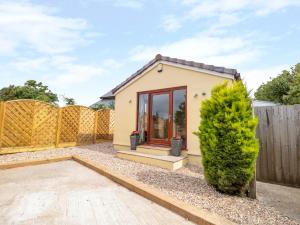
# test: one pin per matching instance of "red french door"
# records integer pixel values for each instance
(161, 115)
(160, 118)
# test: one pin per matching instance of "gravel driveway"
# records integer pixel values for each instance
(186, 184)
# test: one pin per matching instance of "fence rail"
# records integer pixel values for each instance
(32, 125)
(279, 135)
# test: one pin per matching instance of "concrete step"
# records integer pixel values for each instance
(153, 150)
(166, 162)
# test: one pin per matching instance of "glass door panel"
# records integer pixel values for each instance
(160, 118)
(143, 117)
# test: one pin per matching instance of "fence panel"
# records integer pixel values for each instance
(69, 125)
(105, 124)
(86, 126)
(17, 123)
(44, 124)
(279, 135)
(27, 125)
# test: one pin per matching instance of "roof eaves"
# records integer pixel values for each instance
(158, 57)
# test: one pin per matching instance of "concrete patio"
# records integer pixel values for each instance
(69, 193)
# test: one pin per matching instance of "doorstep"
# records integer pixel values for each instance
(153, 150)
(162, 161)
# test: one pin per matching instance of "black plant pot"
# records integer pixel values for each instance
(176, 145)
(133, 141)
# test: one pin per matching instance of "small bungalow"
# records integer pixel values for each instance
(162, 101)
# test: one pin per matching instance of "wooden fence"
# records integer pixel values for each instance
(32, 125)
(279, 135)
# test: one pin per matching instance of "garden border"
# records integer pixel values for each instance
(194, 214)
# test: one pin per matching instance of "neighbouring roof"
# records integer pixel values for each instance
(105, 102)
(259, 103)
(108, 95)
(233, 72)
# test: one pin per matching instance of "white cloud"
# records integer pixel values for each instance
(40, 42)
(189, 2)
(227, 20)
(255, 77)
(131, 4)
(112, 64)
(267, 7)
(204, 47)
(171, 23)
(74, 74)
(6, 45)
(134, 4)
(60, 70)
(27, 65)
(37, 28)
(231, 12)
(209, 8)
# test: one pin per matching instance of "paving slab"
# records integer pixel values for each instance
(284, 199)
(69, 193)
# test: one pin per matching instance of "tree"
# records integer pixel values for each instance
(293, 95)
(30, 90)
(227, 138)
(69, 101)
(275, 89)
(279, 88)
(110, 105)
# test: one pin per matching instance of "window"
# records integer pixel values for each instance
(143, 117)
(166, 118)
(179, 114)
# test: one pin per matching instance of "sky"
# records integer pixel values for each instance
(84, 48)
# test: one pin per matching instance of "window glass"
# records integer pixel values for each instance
(160, 117)
(179, 114)
(143, 117)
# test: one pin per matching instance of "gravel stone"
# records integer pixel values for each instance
(186, 184)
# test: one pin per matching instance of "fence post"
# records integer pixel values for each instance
(2, 113)
(58, 128)
(95, 127)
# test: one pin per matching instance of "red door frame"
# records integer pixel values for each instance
(170, 90)
(159, 141)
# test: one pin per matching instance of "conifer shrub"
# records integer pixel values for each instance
(227, 138)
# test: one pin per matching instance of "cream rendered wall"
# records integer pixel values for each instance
(126, 100)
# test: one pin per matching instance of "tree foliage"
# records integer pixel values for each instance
(227, 137)
(293, 95)
(282, 89)
(30, 90)
(110, 105)
(69, 101)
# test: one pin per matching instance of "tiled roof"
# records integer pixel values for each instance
(108, 95)
(159, 57)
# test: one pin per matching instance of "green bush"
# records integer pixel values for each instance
(227, 137)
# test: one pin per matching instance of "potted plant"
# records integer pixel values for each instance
(176, 145)
(134, 139)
